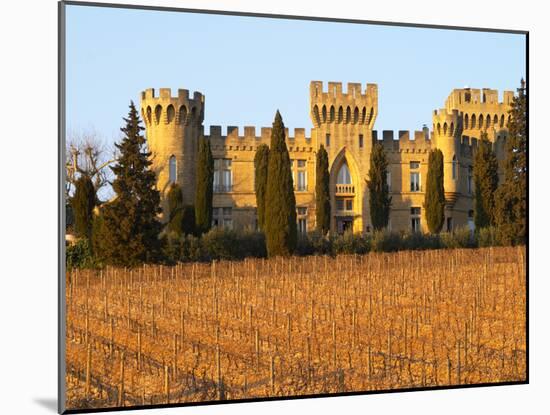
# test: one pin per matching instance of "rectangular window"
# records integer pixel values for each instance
(302, 225)
(301, 210)
(414, 165)
(415, 224)
(360, 140)
(415, 182)
(349, 204)
(388, 180)
(299, 172)
(339, 204)
(222, 217)
(327, 140)
(223, 176)
(415, 219)
(302, 186)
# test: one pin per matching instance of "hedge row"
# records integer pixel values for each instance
(237, 245)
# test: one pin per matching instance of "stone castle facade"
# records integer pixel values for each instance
(343, 122)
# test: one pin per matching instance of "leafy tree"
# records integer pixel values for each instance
(322, 195)
(128, 230)
(83, 203)
(379, 193)
(485, 183)
(261, 160)
(434, 202)
(205, 187)
(511, 196)
(280, 202)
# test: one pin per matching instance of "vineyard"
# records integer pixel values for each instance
(295, 326)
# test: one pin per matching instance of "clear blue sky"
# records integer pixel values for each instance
(248, 67)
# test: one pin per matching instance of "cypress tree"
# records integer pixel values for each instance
(511, 196)
(128, 230)
(379, 194)
(174, 226)
(280, 202)
(82, 204)
(261, 160)
(322, 195)
(205, 187)
(485, 183)
(434, 202)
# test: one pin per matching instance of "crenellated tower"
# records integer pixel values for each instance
(173, 127)
(447, 133)
(343, 123)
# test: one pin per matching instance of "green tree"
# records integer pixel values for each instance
(261, 160)
(205, 187)
(511, 196)
(379, 193)
(83, 203)
(485, 183)
(280, 202)
(128, 230)
(174, 198)
(322, 195)
(434, 202)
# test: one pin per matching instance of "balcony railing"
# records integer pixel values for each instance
(345, 189)
(223, 188)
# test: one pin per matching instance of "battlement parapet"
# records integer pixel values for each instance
(476, 100)
(335, 91)
(232, 140)
(335, 106)
(167, 109)
(419, 144)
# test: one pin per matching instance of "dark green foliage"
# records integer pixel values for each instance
(280, 203)
(511, 196)
(188, 220)
(487, 237)
(349, 243)
(175, 224)
(322, 195)
(458, 238)
(314, 243)
(217, 244)
(82, 206)
(128, 228)
(205, 187)
(261, 160)
(386, 241)
(485, 182)
(79, 255)
(434, 202)
(377, 183)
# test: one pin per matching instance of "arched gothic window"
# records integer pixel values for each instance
(344, 176)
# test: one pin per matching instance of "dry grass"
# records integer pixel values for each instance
(299, 326)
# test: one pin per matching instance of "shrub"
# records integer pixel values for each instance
(386, 241)
(350, 243)
(458, 238)
(79, 255)
(419, 241)
(314, 243)
(487, 237)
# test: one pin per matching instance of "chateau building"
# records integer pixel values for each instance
(343, 122)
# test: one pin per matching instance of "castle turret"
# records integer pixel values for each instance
(343, 123)
(447, 132)
(173, 127)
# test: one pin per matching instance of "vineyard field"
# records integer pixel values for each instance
(259, 328)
